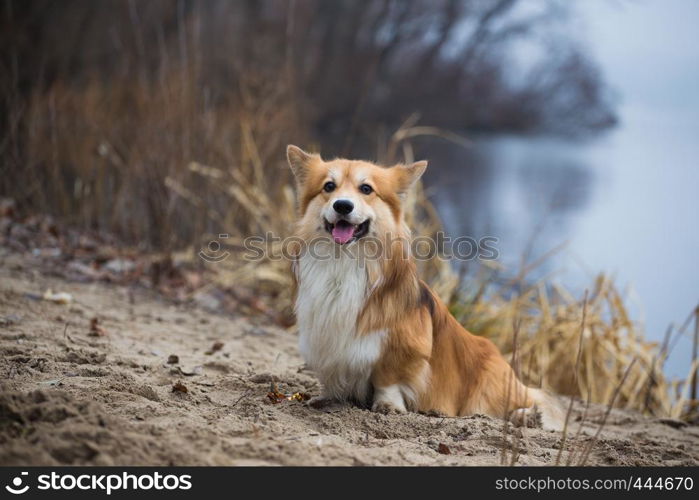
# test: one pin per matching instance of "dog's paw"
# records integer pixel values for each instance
(526, 417)
(386, 408)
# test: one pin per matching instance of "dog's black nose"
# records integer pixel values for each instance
(343, 206)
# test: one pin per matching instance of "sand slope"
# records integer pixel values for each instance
(72, 396)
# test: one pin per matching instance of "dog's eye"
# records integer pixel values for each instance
(329, 187)
(366, 189)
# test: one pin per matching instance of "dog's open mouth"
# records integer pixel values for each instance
(344, 231)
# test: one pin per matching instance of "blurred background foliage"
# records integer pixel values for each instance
(102, 101)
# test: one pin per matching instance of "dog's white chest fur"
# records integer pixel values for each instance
(331, 294)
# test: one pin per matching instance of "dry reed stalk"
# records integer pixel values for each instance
(508, 398)
(589, 447)
(576, 371)
(571, 455)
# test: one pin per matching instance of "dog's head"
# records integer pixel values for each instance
(347, 200)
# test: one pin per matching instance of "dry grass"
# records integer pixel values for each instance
(133, 158)
(549, 320)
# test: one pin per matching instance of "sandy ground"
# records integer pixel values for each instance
(73, 394)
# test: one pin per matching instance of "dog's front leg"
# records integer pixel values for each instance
(388, 399)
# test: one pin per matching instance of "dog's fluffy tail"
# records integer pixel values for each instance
(552, 412)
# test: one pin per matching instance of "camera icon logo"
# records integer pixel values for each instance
(16, 487)
(213, 252)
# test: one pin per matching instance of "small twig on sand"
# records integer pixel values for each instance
(245, 394)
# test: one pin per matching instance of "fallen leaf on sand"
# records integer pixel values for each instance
(95, 329)
(299, 396)
(58, 298)
(180, 387)
(276, 397)
(173, 359)
(217, 346)
(443, 449)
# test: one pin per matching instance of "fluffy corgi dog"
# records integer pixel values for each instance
(371, 330)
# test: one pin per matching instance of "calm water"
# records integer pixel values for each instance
(626, 205)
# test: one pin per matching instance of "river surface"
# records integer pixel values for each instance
(626, 204)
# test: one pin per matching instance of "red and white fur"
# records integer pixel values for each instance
(371, 330)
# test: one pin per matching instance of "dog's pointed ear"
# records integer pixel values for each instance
(409, 175)
(299, 161)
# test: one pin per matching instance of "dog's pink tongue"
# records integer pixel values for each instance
(343, 232)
